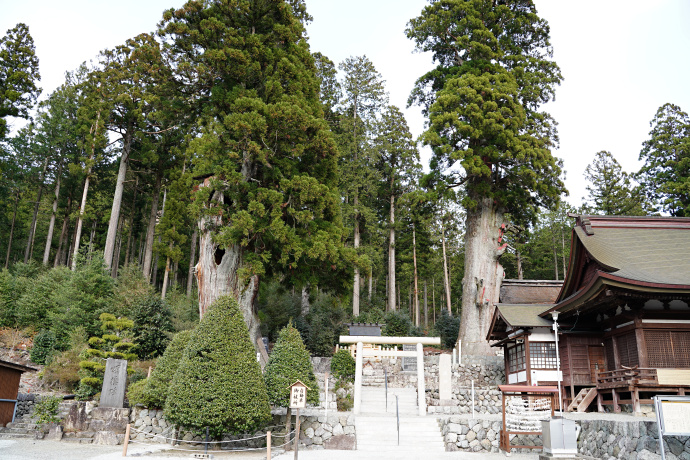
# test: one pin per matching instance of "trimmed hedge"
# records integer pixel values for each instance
(218, 383)
(343, 366)
(289, 362)
(157, 386)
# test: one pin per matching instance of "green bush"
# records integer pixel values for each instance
(323, 325)
(152, 326)
(137, 393)
(218, 383)
(289, 362)
(46, 410)
(276, 307)
(44, 347)
(33, 306)
(398, 324)
(158, 384)
(343, 366)
(448, 328)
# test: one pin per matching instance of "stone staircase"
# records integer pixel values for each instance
(22, 427)
(376, 424)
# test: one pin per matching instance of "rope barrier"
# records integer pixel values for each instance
(159, 436)
(201, 442)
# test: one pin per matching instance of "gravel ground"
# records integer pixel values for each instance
(30, 449)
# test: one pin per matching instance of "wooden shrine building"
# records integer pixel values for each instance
(623, 316)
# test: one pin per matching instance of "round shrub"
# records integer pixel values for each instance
(157, 385)
(218, 383)
(343, 366)
(398, 324)
(152, 327)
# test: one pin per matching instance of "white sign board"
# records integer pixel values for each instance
(674, 415)
(298, 396)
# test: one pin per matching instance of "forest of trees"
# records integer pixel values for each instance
(220, 155)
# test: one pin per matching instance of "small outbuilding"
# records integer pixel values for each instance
(10, 374)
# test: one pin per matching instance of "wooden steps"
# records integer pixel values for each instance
(583, 399)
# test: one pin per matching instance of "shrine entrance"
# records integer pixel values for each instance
(362, 353)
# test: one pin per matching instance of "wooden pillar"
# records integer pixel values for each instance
(528, 364)
(635, 394)
(616, 406)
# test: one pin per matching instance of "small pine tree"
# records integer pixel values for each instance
(44, 347)
(288, 363)
(152, 326)
(218, 382)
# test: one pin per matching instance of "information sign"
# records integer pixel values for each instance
(298, 395)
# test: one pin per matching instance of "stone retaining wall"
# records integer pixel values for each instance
(485, 402)
(633, 440)
(479, 435)
(316, 431)
(25, 404)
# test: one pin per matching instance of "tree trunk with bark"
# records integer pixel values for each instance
(14, 220)
(32, 229)
(446, 278)
(51, 225)
(426, 308)
(166, 275)
(391, 257)
(150, 231)
(416, 284)
(192, 257)
(483, 275)
(80, 219)
(114, 223)
(217, 273)
(355, 284)
(305, 301)
(63, 233)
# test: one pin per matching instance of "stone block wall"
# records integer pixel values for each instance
(486, 401)
(480, 435)
(316, 431)
(25, 404)
(632, 440)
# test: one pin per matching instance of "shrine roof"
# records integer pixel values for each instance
(526, 315)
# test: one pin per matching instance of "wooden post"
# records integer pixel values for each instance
(126, 443)
(616, 407)
(148, 376)
(297, 434)
(268, 445)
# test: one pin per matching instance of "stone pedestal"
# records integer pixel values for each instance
(444, 380)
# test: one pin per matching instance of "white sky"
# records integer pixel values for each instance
(621, 59)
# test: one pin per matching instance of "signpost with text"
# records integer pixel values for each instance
(298, 400)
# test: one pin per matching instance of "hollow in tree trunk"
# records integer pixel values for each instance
(483, 274)
(218, 273)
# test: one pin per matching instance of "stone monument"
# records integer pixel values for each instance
(444, 380)
(114, 383)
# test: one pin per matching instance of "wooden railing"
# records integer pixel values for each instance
(627, 376)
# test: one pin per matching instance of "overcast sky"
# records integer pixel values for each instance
(621, 59)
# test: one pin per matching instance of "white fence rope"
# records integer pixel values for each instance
(161, 437)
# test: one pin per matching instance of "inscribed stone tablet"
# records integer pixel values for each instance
(114, 383)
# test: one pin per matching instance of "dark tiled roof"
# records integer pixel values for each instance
(530, 291)
(15, 366)
(524, 315)
(652, 255)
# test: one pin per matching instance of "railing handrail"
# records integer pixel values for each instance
(627, 374)
(397, 416)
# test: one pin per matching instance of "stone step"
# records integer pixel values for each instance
(8, 435)
(78, 440)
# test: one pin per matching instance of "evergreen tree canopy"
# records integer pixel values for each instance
(611, 191)
(665, 174)
(157, 385)
(262, 133)
(485, 128)
(218, 383)
(18, 75)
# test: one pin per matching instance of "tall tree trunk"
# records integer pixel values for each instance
(63, 232)
(150, 231)
(217, 273)
(32, 229)
(192, 256)
(483, 275)
(155, 260)
(114, 223)
(166, 275)
(426, 307)
(118, 249)
(130, 236)
(433, 298)
(555, 256)
(520, 270)
(371, 283)
(391, 257)
(51, 225)
(355, 284)
(14, 219)
(416, 284)
(305, 300)
(446, 278)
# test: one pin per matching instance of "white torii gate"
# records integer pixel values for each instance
(360, 340)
